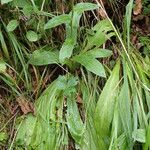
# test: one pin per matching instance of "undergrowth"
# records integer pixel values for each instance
(72, 76)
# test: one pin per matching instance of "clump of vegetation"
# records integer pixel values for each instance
(73, 77)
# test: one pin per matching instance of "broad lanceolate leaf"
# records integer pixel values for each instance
(12, 25)
(44, 57)
(28, 10)
(45, 129)
(127, 21)
(74, 122)
(71, 37)
(81, 7)
(21, 3)
(89, 61)
(32, 36)
(66, 49)
(105, 107)
(37, 131)
(25, 130)
(72, 28)
(58, 20)
(125, 108)
(100, 53)
(5, 1)
(102, 31)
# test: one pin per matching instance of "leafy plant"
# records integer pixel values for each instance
(102, 31)
(96, 85)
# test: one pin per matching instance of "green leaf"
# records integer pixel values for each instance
(42, 130)
(125, 106)
(5, 1)
(72, 28)
(81, 7)
(74, 122)
(105, 106)
(139, 135)
(102, 31)
(25, 130)
(3, 136)
(21, 3)
(71, 37)
(58, 20)
(127, 22)
(100, 53)
(2, 66)
(147, 144)
(12, 25)
(28, 10)
(32, 36)
(66, 49)
(44, 57)
(90, 63)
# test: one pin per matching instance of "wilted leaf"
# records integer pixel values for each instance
(25, 105)
(12, 25)
(32, 36)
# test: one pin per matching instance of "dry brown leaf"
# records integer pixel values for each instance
(79, 99)
(25, 105)
(138, 7)
(103, 2)
(102, 14)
